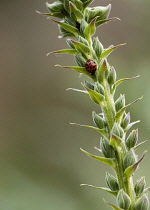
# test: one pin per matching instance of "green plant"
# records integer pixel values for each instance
(79, 22)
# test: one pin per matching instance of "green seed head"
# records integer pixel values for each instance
(97, 47)
(99, 121)
(80, 60)
(142, 203)
(132, 139)
(130, 158)
(125, 121)
(100, 12)
(112, 76)
(117, 130)
(57, 9)
(139, 186)
(112, 182)
(99, 88)
(120, 102)
(123, 200)
(107, 149)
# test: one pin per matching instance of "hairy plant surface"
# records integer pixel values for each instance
(78, 22)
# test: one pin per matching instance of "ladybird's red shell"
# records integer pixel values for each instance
(91, 66)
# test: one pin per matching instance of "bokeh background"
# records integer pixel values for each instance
(41, 166)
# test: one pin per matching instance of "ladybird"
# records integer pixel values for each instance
(91, 66)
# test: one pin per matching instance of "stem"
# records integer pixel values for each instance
(124, 183)
(130, 191)
(109, 109)
(120, 170)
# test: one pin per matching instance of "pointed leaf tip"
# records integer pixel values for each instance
(125, 79)
(113, 206)
(135, 148)
(102, 131)
(95, 96)
(38, 12)
(101, 188)
(65, 51)
(131, 169)
(100, 22)
(77, 68)
(90, 29)
(121, 111)
(77, 90)
(107, 51)
(108, 161)
(66, 26)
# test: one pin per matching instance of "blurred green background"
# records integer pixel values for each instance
(41, 166)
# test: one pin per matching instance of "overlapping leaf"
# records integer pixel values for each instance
(108, 161)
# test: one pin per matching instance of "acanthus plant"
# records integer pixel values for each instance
(78, 22)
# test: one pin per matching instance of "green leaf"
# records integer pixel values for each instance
(97, 47)
(56, 10)
(113, 206)
(108, 161)
(121, 111)
(70, 44)
(125, 79)
(131, 124)
(142, 203)
(87, 2)
(123, 200)
(68, 27)
(66, 5)
(96, 97)
(75, 13)
(98, 120)
(99, 88)
(82, 40)
(77, 68)
(130, 158)
(57, 7)
(115, 141)
(56, 14)
(80, 47)
(80, 60)
(139, 186)
(89, 85)
(101, 188)
(102, 73)
(120, 102)
(112, 76)
(136, 147)
(101, 12)
(112, 182)
(83, 26)
(130, 170)
(132, 139)
(106, 148)
(77, 90)
(107, 52)
(102, 131)
(68, 51)
(90, 29)
(78, 4)
(98, 149)
(100, 22)
(125, 121)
